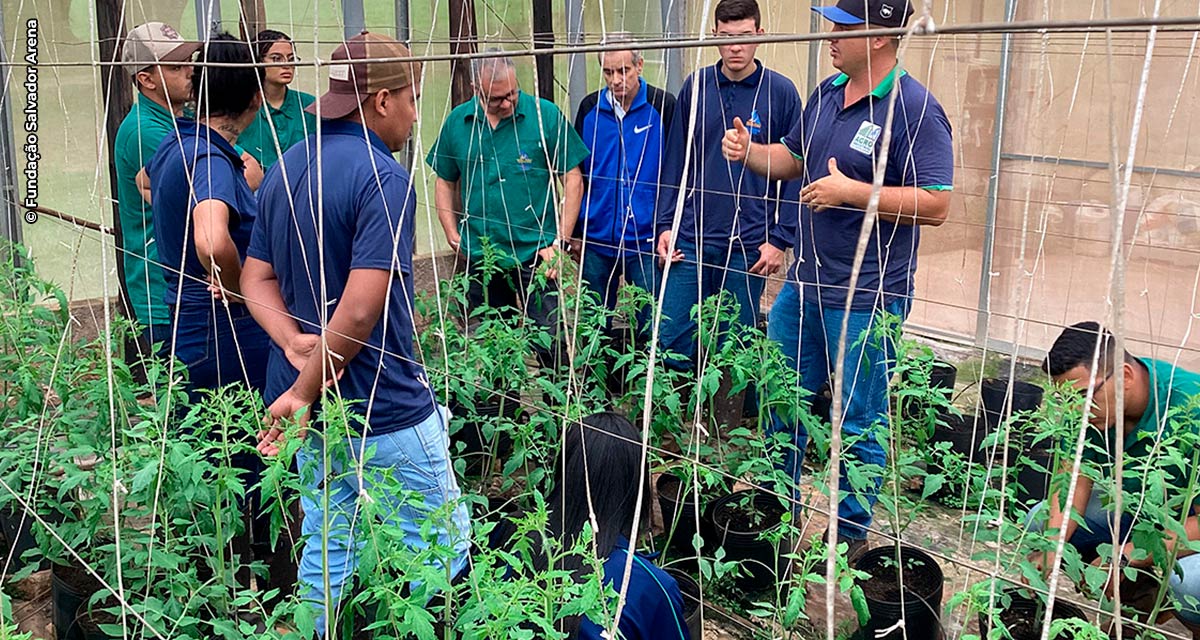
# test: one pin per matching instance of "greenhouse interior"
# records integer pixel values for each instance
(491, 319)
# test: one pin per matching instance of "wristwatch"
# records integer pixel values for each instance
(1124, 562)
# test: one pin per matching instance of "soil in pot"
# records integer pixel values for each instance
(993, 393)
(477, 449)
(1023, 617)
(692, 601)
(738, 520)
(70, 587)
(918, 600)
(89, 617)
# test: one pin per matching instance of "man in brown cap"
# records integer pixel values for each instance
(159, 61)
(354, 245)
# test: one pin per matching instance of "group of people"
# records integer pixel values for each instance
(254, 259)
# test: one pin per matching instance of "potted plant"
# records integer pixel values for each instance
(901, 583)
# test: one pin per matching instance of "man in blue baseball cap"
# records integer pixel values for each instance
(833, 147)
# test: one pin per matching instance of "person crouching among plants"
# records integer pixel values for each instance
(1160, 436)
(330, 278)
(591, 508)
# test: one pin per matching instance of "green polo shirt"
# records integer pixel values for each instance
(506, 175)
(138, 137)
(1175, 394)
(291, 123)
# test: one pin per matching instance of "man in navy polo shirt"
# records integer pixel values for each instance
(834, 147)
(624, 125)
(730, 234)
(350, 256)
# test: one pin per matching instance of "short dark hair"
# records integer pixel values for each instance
(224, 91)
(1076, 347)
(265, 40)
(734, 10)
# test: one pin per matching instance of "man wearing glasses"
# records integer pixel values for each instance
(497, 159)
(1161, 411)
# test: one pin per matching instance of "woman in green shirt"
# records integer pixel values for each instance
(282, 121)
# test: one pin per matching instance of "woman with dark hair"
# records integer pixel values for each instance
(204, 211)
(282, 120)
(598, 473)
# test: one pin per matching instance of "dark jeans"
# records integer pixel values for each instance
(603, 274)
(692, 280)
(515, 289)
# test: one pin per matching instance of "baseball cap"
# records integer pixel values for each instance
(874, 13)
(154, 43)
(359, 73)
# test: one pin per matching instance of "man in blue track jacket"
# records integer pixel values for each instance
(735, 225)
(625, 126)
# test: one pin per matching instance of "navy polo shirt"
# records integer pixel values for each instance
(653, 605)
(195, 165)
(369, 210)
(920, 154)
(725, 202)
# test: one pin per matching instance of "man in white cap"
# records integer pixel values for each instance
(159, 61)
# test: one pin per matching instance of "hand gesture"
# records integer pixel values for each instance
(736, 143)
(828, 192)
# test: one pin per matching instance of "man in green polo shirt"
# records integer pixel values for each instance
(496, 161)
(160, 61)
(1161, 427)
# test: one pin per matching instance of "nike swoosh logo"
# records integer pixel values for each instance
(640, 130)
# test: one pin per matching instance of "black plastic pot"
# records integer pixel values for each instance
(943, 376)
(679, 511)
(992, 394)
(965, 433)
(89, 618)
(738, 532)
(1023, 617)
(70, 587)
(1033, 485)
(692, 601)
(918, 600)
(477, 449)
(16, 536)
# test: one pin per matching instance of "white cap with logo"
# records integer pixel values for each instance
(155, 43)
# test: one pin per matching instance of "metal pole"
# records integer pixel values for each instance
(353, 17)
(989, 229)
(673, 13)
(543, 38)
(814, 47)
(577, 83)
(208, 18)
(403, 22)
(10, 216)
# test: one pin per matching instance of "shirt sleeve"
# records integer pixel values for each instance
(260, 246)
(794, 139)
(569, 151)
(443, 157)
(672, 160)
(926, 150)
(384, 209)
(215, 178)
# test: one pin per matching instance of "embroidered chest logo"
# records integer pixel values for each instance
(864, 141)
(754, 123)
(523, 160)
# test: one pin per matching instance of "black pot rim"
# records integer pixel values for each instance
(909, 596)
(725, 502)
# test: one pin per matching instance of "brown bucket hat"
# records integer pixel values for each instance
(356, 73)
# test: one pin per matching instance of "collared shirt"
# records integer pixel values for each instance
(506, 175)
(725, 204)
(187, 169)
(920, 154)
(290, 123)
(1175, 399)
(653, 603)
(368, 208)
(621, 198)
(140, 133)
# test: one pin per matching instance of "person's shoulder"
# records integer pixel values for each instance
(589, 102)
(304, 97)
(460, 112)
(660, 98)
(546, 106)
(914, 93)
(777, 80)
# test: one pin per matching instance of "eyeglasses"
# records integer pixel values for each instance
(498, 101)
(279, 57)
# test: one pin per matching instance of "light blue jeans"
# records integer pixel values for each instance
(1096, 530)
(418, 458)
(808, 334)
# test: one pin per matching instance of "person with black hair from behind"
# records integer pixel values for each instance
(597, 472)
(1160, 400)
